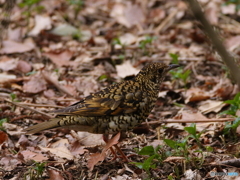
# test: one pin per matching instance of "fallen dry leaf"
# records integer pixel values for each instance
(127, 14)
(54, 174)
(10, 46)
(7, 64)
(77, 148)
(3, 137)
(41, 22)
(88, 139)
(196, 94)
(8, 163)
(29, 155)
(23, 66)
(60, 149)
(86, 85)
(126, 69)
(35, 85)
(4, 77)
(61, 59)
(97, 157)
(211, 106)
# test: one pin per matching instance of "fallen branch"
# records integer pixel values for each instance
(189, 121)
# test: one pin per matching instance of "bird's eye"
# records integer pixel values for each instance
(160, 71)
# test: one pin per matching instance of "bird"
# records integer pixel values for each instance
(117, 108)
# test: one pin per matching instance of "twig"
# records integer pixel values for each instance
(190, 121)
(40, 105)
(26, 107)
(56, 84)
(214, 37)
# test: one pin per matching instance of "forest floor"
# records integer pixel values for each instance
(54, 53)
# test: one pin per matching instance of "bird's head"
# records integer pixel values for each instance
(154, 73)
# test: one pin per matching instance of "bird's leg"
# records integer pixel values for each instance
(106, 139)
(122, 154)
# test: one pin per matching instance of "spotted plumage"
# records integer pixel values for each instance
(120, 107)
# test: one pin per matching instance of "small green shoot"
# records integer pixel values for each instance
(77, 36)
(103, 77)
(143, 43)
(36, 171)
(13, 97)
(234, 105)
(179, 73)
(231, 127)
(117, 41)
(31, 5)
(28, 3)
(1, 123)
(180, 148)
(174, 58)
(192, 130)
(152, 160)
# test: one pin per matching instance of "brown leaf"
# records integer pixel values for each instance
(3, 137)
(54, 174)
(23, 66)
(60, 149)
(126, 69)
(35, 85)
(7, 64)
(77, 148)
(94, 159)
(196, 94)
(9, 163)
(97, 157)
(41, 23)
(89, 139)
(60, 59)
(211, 106)
(29, 155)
(10, 46)
(127, 14)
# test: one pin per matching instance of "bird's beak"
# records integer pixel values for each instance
(172, 66)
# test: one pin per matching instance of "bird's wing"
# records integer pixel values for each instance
(114, 100)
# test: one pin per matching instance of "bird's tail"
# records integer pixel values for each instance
(53, 123)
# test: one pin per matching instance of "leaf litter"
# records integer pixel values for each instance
(58, 55)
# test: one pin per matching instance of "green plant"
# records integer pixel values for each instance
(143, 43)
(180, 148)
(180, 73)
(117, 41)
(154, 158)
(192, 130)
(231, 127)
(234, 105)
(174, 58)
(35, 172)
(1, 123)
(13, 96)
(29, 4)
